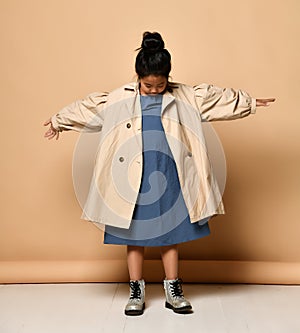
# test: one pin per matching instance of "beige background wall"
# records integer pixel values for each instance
(53, 52)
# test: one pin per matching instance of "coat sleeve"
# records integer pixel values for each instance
(85, 115)
(215, 103)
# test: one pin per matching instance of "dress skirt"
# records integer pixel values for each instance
(160, 216)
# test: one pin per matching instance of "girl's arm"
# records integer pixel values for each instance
(83, 115)
(215, 103)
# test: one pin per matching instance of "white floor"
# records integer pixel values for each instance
(98, 307)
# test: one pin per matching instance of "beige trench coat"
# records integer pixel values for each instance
(118, 165)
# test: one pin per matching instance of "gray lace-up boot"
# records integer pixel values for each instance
(174, 297)
(136, 302)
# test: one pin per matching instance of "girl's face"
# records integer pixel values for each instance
(153, 84)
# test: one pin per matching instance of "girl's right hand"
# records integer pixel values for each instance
(52, 132)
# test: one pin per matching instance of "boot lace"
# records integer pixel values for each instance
(175, 288)
(135, 289)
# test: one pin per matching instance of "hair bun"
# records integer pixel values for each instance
(152, 42)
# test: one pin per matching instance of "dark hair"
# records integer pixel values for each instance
(153, 58)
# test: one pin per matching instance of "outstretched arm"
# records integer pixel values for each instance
(215, 103)
(84, 115)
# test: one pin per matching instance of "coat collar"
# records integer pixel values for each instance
(168, 97)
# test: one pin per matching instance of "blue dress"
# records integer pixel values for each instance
(160, 216)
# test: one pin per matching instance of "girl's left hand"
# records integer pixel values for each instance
(264, 101)
(52, 132)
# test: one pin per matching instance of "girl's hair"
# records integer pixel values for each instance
(153, 58)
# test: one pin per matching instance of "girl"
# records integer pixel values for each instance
(151, 131)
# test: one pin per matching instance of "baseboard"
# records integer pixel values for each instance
(194, 271)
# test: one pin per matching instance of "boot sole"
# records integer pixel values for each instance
(184, 309)
(135, 312)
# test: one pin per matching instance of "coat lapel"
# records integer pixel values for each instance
(168, 98)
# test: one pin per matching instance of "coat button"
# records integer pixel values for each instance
(121, 159)
(128, 125)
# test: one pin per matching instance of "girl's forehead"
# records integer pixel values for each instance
(154, 79)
